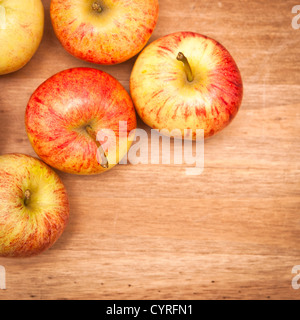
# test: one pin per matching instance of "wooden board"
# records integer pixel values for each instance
(150, 231)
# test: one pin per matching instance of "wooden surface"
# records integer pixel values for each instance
(150, 231)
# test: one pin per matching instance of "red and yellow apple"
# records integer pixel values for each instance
(104, 31)
(21, 31)
(186, 81)
(34, 207)
(67, 112)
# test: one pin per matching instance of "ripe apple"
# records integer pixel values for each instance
(186, 81)
(66, 113)
(21, 31)
(34, 207)
(104, 31)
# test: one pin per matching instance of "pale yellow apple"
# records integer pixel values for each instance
(21, 31)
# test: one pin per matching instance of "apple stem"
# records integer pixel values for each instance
(181, 57)
(97, 7)
(93, 135)
(27, 195)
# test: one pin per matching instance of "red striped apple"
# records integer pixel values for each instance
(104, 31)
(21, 31)
(34, 207)
(66, 113)
(186, 81)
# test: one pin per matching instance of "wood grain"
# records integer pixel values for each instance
(150, 231)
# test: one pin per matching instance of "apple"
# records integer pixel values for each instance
(68, 115)
(104, 31)
(34, 207)
(186, 81)
(21, 31)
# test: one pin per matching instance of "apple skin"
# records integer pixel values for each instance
(21, 32)
(28, 230)
(165, 99)
(113, 36)
(62, 107)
